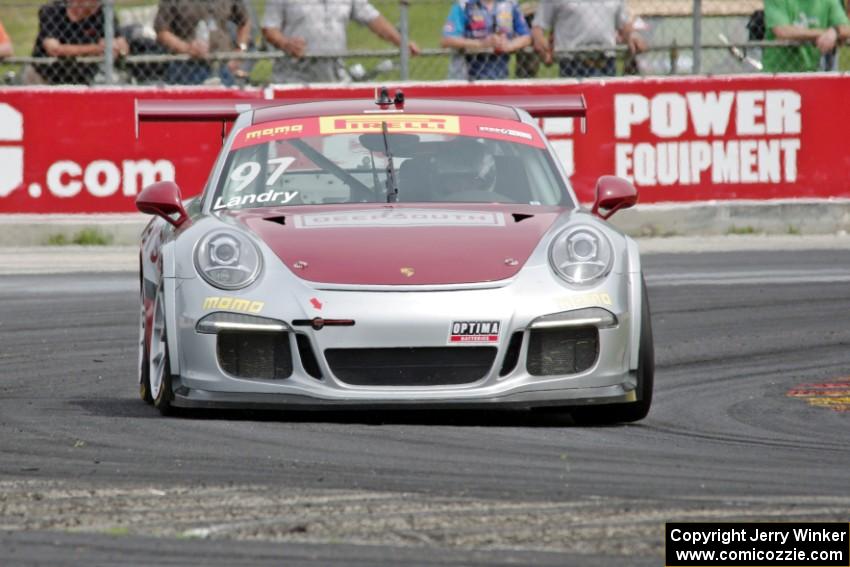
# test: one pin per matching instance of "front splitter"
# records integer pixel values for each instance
(194, 398)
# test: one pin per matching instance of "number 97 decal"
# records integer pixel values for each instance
(245, 174)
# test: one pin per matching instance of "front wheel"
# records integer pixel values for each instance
(159, 367)
(637, 410)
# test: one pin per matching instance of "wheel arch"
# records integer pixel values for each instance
(635, 275)
(168, 287)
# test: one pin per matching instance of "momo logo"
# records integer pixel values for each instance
(11, 152)
(426, 123)
(275, 132)
(234, 304)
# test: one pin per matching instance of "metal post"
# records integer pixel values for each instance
(404, 62)
(108, 40)
(674, 58)
(697, 37)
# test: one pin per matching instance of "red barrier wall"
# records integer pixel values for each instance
(682, 139)
(75, 150)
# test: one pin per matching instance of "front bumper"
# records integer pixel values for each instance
(393, 319)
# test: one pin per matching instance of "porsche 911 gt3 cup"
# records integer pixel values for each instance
(391, 254)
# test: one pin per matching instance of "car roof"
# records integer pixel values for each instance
(361, 106)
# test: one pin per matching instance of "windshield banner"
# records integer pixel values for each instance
(474, 126)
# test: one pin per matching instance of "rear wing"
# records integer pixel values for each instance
(164, 110)
(542, 106)
(225, 111)
(539, 106)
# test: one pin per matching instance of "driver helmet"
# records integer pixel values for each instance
(467, 165)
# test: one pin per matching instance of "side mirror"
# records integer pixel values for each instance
(612, 194)
(163, 199)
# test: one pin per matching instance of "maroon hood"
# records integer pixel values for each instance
(415, 244)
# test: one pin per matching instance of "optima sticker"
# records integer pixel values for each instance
(474, 332)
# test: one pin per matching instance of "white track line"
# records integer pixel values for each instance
(748, 277)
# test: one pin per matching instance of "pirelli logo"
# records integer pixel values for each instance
(425, 123)
(234, 304)
(274, 132)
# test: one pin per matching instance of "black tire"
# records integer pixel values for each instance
(163, 398)
(145, 381)
(637, 410)
(166, 393)
(144, 360)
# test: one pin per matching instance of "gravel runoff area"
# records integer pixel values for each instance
(584, 526)
(69, 259)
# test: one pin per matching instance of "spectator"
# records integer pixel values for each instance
(493, 25)
(577, 24)
(822, 24)
(304, 28)
(198, 28)
(69, 29)
(5, 43)
(527, 60)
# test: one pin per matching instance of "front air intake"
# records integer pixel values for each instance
(422, 366)
(259, 355)
(560, 351)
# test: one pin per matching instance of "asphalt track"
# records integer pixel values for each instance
(91, 475)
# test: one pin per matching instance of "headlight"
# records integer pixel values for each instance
(227, 259)
(581, 255)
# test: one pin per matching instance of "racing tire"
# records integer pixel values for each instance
(637, 410)
(159, 367)
(144, 359)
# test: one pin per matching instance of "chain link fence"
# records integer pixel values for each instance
(257, 42)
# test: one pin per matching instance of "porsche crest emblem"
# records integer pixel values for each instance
(408, 272)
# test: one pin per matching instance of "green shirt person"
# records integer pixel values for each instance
(822, 24)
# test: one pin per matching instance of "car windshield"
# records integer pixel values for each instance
(428, 159)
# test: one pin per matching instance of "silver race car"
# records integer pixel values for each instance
(391, 253)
